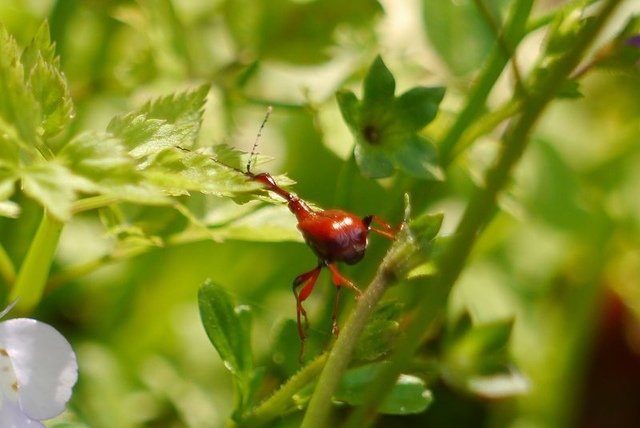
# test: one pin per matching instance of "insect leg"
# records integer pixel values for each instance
(305, 282)
(340, 281)
(385, 229)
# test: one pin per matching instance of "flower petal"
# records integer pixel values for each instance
(12, 417)
(44, 363)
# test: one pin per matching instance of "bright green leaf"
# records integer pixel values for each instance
(17, 105)
(47, 83)
(53, 186)
(145, 136)
(50, 90)
(183, 110)
(408, 396)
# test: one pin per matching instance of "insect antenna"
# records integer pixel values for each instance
(253, 153)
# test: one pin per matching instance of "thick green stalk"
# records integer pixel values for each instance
(7, 270)
(477, 214)
(31, 280)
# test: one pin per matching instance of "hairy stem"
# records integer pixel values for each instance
(278, 403)
(476, 216)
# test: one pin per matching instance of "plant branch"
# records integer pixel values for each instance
(513, 33)
(7, 269)
(476, 216)
(31, 280)
(281, 400)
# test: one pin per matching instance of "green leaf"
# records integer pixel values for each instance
(408, 396)
(53, 186)
(172, 121)
(380, 333)
(47, 83)
(229, 330)
(17, 105)
(143, 135)
(418, 106)
(385, 128)
(418, 158)
(103, 165)
(373, 163)
(379, 85)
(184, 110)
(227, 327)
(349, 108)
(476, 358)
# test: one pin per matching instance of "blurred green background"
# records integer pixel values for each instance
(562, 257)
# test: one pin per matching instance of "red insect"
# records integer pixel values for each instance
(334, 236)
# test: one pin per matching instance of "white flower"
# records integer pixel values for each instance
(38, 368)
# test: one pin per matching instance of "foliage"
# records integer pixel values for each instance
(128, 223)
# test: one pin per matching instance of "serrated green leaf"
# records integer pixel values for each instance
(52, 185)
(144, 136)
(40, 48)
(50, 90)
(418, 106)
(408, 396)
(183, 110)
(102, 165)
(17, 105)
(179, 171)
(373, 163)
(225, 329)
(379, 85)
(43, 76)
(171, 121)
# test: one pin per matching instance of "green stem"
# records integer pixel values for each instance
(475, 217)
(31, 280)
(7, 270)
(513, 33)
(486, 124)
(281, 401)
(401, 258)
(93, 202)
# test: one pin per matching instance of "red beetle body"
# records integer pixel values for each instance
(334, 236)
